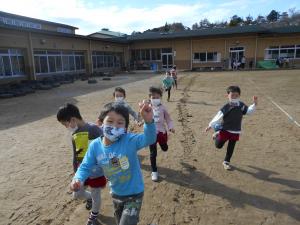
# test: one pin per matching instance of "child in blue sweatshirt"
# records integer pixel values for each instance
(116, 152)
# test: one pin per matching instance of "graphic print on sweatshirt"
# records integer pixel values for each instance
(116, 167)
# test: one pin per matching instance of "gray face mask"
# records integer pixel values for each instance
(235, 101)
(113, 133)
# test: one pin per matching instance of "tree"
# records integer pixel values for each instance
(273, 16)
(204, 23)
(195, 26)
(249, 20)
(235, 21)
(260, 20)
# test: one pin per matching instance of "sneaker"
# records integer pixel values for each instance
(92, 220)
(154, 176)
(226, 165)
(89, 204)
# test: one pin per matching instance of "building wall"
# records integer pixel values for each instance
(29, 42)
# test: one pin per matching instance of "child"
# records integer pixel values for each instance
(174, 75)
(120, 95)
(116, 152)
(82, 134)
(161, 117)
(168, 83)
(230, 127)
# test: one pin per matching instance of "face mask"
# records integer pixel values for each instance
(119, 99)
(72, 130)
(155, 102)
(235, 101)
(113, 133)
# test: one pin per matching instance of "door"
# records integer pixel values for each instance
(167, 60)
(236, 54)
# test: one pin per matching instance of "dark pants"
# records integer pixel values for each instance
(169, 92)
(153, 154)
(230, 147)
(127, 209)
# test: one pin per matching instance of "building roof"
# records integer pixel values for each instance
(215, 32)
(34, 19)
(108, 33)
(53, 33)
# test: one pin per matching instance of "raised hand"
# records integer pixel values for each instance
(146, 111)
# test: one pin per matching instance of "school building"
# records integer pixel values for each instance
(32, 48)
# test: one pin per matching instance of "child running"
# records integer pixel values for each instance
(173, 72)
(231, 115)
(82, 134)
(120, 95)
(161, 118)
(168, 83)
(116, 152)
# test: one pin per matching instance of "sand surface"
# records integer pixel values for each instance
(263, 187)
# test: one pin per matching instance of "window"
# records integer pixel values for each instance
(156, 54)
(37, 64)
(58, 63)
(7, 66)
(2, 72)
(103, 60)
(284, 51)
(207, 56)
(44, 64)
(52, 67)
(202, 56)
(298, 53)
(212, 56)
(72, 63)
(65, 62)
(11, 62)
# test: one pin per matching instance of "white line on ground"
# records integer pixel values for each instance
(288, 115)
(274, 103)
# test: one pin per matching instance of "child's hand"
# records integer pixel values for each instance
(172, 130)
(146, 111)
(255, 100)
(75, 185)
(207, 129)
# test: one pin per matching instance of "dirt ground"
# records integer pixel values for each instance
(263, 187)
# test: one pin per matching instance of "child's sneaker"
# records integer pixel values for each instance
(89, 204)
(92, 219)
(226, 165)
(154, 176)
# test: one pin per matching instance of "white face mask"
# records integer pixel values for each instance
(72, 130)
(119, 99)
(113, 133)
(235, 101)
(155, 102)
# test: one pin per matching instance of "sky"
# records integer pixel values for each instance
(133, 15)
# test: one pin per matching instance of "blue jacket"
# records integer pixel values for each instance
(119, 161)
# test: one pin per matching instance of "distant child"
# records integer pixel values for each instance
(82, 134)
(173, 72)
(161, 119)
(120, 95)
(229, 128)
(168, 83)
(116, 152)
